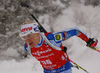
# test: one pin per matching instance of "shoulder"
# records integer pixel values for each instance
(56, 36)
(49, 35)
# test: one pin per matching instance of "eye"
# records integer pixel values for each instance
(29, 35)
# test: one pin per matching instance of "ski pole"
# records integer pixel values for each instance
(26, 6)
(79, 66)
(94, 48)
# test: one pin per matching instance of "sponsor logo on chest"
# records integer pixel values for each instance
(42, 52)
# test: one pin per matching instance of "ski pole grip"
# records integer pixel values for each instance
(23, 4)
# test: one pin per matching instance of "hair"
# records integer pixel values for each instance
(28, 22)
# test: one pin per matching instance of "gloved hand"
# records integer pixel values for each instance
(91, 42)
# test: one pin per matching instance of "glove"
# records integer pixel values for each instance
(91, 42)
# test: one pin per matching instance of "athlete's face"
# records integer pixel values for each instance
(32, 39)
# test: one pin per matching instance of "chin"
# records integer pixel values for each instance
(32, 46)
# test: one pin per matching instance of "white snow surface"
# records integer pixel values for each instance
(87, 19)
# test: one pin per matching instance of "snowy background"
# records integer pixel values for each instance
(54, 15)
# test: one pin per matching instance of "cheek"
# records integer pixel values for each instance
(33, 39)
(29, 40)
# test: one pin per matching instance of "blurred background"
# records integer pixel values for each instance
(54, 15)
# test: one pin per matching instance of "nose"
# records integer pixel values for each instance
(27, 40)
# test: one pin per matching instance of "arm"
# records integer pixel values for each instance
(58, 37)
(75, 32)
(25, 47)
(66, 34)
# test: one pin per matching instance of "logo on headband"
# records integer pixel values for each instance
(36, 29)
(26, 29)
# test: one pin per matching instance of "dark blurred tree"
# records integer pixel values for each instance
(12, 15)
(92, 2)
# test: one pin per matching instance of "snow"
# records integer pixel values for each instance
(26, 66)
(87, 19)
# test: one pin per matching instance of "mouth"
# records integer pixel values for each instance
(31, 43)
